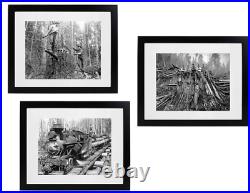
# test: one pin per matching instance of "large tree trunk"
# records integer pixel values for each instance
(101, 127)
(72, 40)
(88, 48)
(53, 47)
(97, 47)
(32, 41)
(44, 46)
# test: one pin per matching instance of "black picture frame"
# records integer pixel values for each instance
(24, 105)
(12, 9)
(142, 40)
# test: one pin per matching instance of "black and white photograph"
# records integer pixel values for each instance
(74, 145)
(63, 49)
(192, 81)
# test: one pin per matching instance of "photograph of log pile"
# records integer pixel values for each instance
(62, 50)
(193, 81)
(74, 147)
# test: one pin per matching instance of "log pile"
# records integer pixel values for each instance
(199, 92)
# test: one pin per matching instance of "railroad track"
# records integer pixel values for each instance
(85, 165)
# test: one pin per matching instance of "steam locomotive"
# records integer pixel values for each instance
(64, 147)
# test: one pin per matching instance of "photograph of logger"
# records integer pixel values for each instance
(62, 49)
(193, 82)
(74, 147)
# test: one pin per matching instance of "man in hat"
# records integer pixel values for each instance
(53, 29)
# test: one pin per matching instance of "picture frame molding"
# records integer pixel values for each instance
(190, 39)
(63, 8)
(24, 105)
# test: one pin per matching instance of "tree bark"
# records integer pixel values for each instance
(88, 45)
(44, 45)
(97, 48)
(32, 40)
(72, 40)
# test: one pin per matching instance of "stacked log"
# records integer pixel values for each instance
(213, 94)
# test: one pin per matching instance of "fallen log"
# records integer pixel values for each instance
(160, 97)
(92, 160)
(82, 163)
(99, 163)
(95, 171)
(163, 102)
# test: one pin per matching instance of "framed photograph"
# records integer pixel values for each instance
(74, 145)
(63, 49)
(192, 81)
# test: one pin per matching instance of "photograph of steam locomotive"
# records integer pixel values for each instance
(74, 147)
(193, 81)
(63, 49)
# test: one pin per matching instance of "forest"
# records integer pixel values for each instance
(216, 63)
(193, 82)
(62, 50)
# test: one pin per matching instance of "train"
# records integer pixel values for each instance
(64, 147)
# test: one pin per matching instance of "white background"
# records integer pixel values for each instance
(181, 158)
